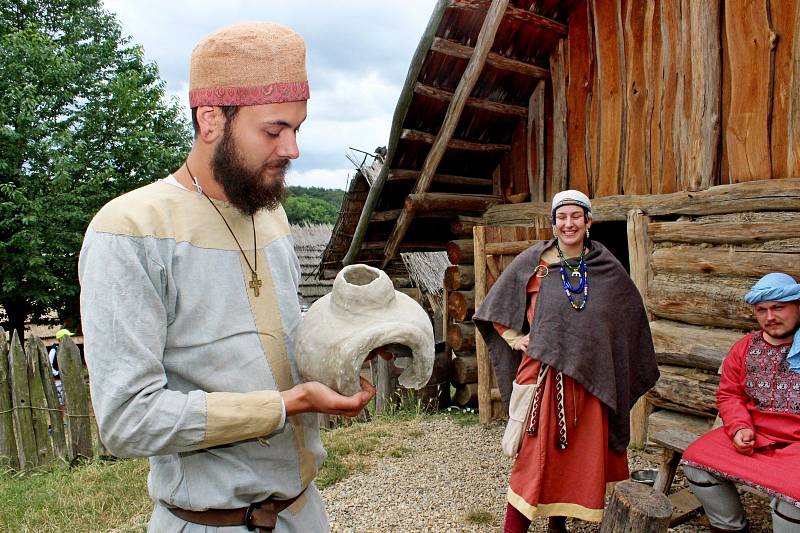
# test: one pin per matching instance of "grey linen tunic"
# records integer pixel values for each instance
(186, 363)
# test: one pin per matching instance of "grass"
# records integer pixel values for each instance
(480, 518)
(112, 496)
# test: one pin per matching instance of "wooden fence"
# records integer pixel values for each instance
(35, 429)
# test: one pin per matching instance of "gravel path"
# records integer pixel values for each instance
(454, 480)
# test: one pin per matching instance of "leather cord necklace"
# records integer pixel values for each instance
(255, 283)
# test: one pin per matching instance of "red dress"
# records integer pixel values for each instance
(757, 391)
(549, 481)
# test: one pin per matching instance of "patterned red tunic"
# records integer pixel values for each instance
(757, 391)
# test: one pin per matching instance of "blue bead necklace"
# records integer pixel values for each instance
(579, 271)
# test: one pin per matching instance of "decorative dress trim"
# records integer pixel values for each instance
(768, 379)
(736, 479)
(274, 93)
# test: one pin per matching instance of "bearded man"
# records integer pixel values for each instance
(759, 403)
(189, 306)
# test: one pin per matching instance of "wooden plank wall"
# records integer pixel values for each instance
(674, 95)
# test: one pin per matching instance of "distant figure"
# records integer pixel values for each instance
(60, 334)
(565, 322)
(759, 403)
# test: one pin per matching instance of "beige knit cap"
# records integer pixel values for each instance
(250, 63)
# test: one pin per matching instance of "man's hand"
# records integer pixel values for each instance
(744, 440)
(314, 397)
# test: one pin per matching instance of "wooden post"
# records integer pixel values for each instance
(639, 254)
(21, 399)
(8, 445)
(39, 414)
(76, 400)
(51, 395)
(636, 508)
(484, 364)
(382, 380)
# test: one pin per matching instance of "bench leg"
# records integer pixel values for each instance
(666, 470)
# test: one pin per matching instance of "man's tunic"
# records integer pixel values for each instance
(186, 363)
(757, 391)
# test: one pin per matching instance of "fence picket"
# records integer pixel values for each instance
(8, 445)
(76, 399)
(44, 450)
(21, 400)
(51, 395)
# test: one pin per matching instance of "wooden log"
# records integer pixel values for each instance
(639, 248)
(462, 225)
(460, 304)
(558, 84)
(437, 201)
(21, 400)
(536, 153)
(39, 414)
(442, 368)
(58, 435)
(76, 400)
(461, 251)
(459, 277)
(732, 232)
(465, 370)
(512, 248)
(485, 371)
(9, 458)
(793, 126)
(466, 395)
(454, 49)
(723, 261)
(653, 80)
(638, 422)
(686, 390)
(385, 397)
(611, 75)
(636, 158)
(691, 346)
(702, 153)
(514, 13)
(664, 420)
(766, 195)
(701, 302)
(454, 144)
(783, 18)
(579, 65)
(402, 174)
(475, 103)
(461, 336)
(749, 44)
(670, 16)
(385, 216)
(636, 508)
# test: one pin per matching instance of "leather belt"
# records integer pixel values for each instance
(259, 516)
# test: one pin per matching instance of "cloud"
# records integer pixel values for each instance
(328, 178)
(359, 52)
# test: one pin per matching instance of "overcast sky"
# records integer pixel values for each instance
(358, 51)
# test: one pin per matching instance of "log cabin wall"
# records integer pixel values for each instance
(669, 95)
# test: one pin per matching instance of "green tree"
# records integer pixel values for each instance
(83, 118)
(310, 210)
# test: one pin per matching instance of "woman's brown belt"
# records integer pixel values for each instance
(259, 516)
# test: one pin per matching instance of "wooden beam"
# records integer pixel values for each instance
(536, 131)
(406, 246)
(558, 82)
(436, 201)
(477, 103)
(455, 144)
(514, 13)
(491, 23)
(448, 179)
(454, 49)
(725, 262)
(765, 195)
(726, 232)
(693, 346)
(384, 216)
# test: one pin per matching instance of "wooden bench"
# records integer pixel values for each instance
(684, 504)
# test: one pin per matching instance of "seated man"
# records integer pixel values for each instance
(759, 402)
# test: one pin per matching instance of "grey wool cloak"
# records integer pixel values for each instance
(606, 347)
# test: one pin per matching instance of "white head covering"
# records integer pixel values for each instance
(570, 197)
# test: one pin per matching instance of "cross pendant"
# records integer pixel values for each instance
(255, 284)
(575, 274)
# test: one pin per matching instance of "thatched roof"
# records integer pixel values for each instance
(310, 241)
(426, 270)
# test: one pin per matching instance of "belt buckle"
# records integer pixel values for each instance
(248, 515)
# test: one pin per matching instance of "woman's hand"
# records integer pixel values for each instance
(522, 343)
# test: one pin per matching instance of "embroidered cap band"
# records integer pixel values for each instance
(251, 63)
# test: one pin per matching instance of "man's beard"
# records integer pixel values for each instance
(248, 190)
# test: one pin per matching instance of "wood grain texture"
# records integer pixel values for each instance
(692, 346)
(653, 80)
(579, 76)
(727, 261)
(559, 138)
(9, 457)
(637, 145)
(749, 49)
(536, 135)
(670, 47)
(783, 15)
(793, 165)
(611, 91)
